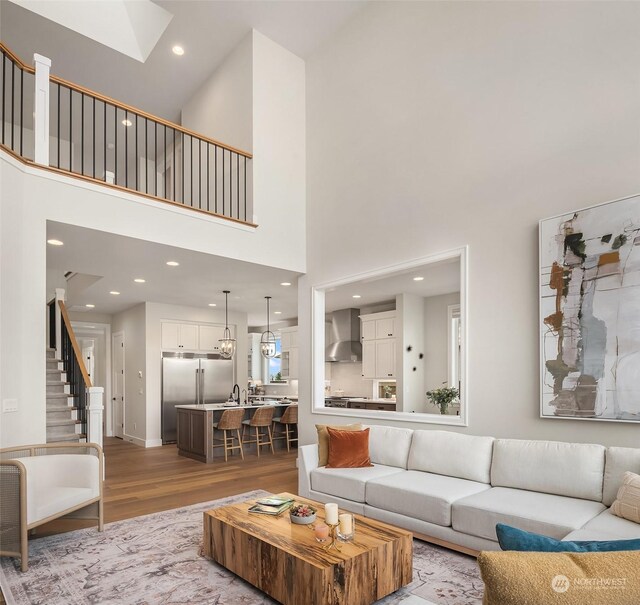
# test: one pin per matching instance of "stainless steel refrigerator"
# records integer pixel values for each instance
(192, 379)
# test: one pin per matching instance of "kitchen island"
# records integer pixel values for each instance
(195, 426)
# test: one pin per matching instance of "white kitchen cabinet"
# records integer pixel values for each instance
(179, 336)
(294, 363)
(385, 327)
(369, 359)
(288, 338)
(368, 329)
(386, 358)
(210, 337)
(255, 357)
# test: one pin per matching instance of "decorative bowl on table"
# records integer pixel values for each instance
(302, 514)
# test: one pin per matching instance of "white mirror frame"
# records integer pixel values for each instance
(318, 344)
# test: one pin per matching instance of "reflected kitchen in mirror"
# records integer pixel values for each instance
(393, 342)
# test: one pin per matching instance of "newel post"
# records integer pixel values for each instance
(95, 408)
(41, 109)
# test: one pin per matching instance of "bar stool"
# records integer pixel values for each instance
(289, 418)
(231, 420)
(262, 418)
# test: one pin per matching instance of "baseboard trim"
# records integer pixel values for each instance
(134, 440)
(153, 443)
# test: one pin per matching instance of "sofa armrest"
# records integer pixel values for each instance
(307, 461)
(13, 509)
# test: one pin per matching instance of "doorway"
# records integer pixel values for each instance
(117, 383)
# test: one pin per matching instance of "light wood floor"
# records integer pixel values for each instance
(140, 481)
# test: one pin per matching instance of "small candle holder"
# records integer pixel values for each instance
(333, 534)
(346, 527)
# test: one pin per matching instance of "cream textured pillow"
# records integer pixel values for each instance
(323, 439)
(627, 503)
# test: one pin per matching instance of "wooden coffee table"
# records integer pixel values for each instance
(286, 562)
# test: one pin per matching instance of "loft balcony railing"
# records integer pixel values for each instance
(67, 128)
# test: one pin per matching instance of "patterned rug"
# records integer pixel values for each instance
(155, 560)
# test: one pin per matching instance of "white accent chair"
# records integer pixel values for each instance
(40, 483)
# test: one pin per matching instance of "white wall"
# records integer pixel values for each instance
(431, 125)
(436, 344)
(132, 323)
(410, 385)
(222, 107)
(30, 197)
(155, 313)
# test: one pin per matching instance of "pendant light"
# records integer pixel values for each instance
(227, 344)
(268, 340)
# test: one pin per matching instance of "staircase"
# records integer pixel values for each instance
(62, 414)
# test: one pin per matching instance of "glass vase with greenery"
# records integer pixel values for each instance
(443, 397)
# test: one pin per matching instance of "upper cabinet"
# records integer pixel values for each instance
(378, 334)
(288, 338)
(191, 336)
(289, 355)
(376, 326)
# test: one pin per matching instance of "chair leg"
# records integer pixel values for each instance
(270, 439)
(226, 457)
(258, 441)
(286, 430)
(100, 515)
(240, 444)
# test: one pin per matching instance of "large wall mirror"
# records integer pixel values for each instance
(391, 343)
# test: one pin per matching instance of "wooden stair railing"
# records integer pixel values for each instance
(98, 139)
(77, 374)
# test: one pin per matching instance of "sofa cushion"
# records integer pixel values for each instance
(452, 454)
(545, 514)
(618, 460)
(566, 469)
(627, 502)
(348, 449)
(512, 538)
(348, 483)
(323, 439)
(615, 527)
(424, 496)
(389, 445)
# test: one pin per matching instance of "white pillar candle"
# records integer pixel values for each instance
(331, 513)
(346, 524)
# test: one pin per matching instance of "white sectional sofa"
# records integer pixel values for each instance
(452, 489)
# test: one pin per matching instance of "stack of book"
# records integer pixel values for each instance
(272, 505)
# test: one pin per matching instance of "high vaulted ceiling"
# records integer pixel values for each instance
(207, 30)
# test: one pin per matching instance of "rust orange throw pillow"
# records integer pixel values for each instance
(348, 449)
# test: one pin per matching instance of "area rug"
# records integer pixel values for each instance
(156, 560)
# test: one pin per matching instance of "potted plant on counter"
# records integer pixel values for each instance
(443, 397)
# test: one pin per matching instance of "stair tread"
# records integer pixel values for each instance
(63, 422)
(61, 408)
(68, 437)
(59, 395)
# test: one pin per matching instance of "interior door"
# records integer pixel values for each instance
(117, 397)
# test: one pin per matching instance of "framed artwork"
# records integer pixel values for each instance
(590, 313)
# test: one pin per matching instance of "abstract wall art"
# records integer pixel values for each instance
(590, 313)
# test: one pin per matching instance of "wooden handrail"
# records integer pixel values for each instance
(128, 108)
(17, 60)
(74, 344)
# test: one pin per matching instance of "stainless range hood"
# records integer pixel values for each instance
(345, 336)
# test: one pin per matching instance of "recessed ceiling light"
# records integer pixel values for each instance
(127, 122)
(115, 292)
(139, 280)
(277, 312)
(178, 50)
(213, 305)
(356, 296)
(55, 242)
(418, 278)
(90, 306)
(173, 263)
(285, 283)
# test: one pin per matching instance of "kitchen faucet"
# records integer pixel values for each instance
(236, 398)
